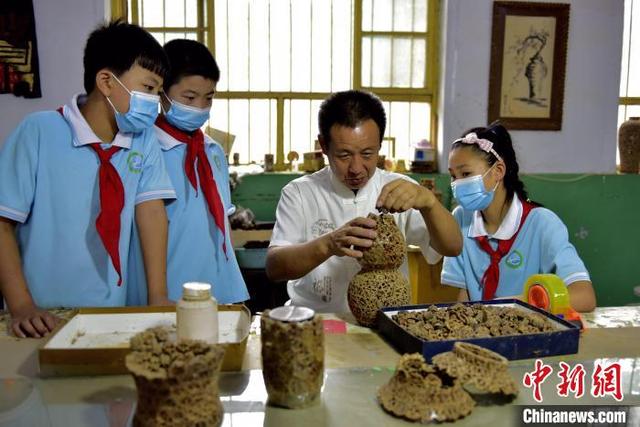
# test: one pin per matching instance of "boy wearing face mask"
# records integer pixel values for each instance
(72, 181)
(507, 238)
(199, 247)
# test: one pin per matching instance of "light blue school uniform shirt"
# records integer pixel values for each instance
(195, 242)
(541, 246)
(49, 184)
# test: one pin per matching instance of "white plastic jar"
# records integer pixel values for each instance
(197, 313)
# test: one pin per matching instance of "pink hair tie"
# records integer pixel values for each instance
(484, 144)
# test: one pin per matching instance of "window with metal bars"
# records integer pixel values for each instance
(280, 58)
(630, 86)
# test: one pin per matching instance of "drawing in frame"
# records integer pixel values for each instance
(528, 62)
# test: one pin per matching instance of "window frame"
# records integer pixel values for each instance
(205, 31)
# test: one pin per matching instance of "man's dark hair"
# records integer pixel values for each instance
(349, 109)
(189, 58)
(118, 46)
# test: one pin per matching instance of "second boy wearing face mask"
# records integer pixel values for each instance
(199, 247)
(186, 117)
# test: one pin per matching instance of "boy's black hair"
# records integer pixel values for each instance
(350, 108)
(503, 145)
(118, 46)
(189, 58)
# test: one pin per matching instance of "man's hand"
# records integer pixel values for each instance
(400, 195)
(357, 233)
(33, 322)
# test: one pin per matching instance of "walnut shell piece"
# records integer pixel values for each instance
(477, 367)
(419, 392)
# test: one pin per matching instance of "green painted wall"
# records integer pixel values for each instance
(601, 213)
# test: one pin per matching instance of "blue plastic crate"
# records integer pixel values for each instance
(564, 340)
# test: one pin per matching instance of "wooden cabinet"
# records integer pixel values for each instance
(425, 281)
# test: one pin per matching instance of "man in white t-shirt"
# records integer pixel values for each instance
(321, 218)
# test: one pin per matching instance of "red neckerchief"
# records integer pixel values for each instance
(111, 203)
(196, 151)
(491, 276)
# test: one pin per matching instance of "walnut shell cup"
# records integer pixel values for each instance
(370, 291)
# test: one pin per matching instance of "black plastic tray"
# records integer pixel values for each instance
(565, 340)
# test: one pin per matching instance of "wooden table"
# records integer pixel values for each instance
(358, 361)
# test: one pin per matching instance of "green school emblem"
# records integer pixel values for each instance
(514, 260)
(134, 161)
(216, 160)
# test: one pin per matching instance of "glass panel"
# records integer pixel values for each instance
(341, 57)
(280, 53)
(159, 37)
(420, 114)
(402, 15)
(191, 36)
(420, 14)
(151, 13)
(418, 59)
(259, 130)
(299, 126)
(382, 15)
(174, 13)
(239, 126)
(173, 36)
(408, 123)
(301, 45)
(366, 62)
(191, 15)
(221, 44)
(624, 69)
(401, 65)
(259, 46)
(366, 15)
(321, 46)
(238, 53)
(219, 117)
(381, 62)
(634, 60)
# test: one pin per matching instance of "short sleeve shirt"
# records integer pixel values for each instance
(542, 246)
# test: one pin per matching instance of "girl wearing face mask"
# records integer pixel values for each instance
(199, 246)
(507, 238)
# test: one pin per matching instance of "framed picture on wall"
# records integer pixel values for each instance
(528, 61)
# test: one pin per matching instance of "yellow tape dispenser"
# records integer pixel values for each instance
(548, 292)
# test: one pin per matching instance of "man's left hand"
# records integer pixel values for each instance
(401, 195)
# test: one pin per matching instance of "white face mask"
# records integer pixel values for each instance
(471, 194)
(143, 110)
(186, 117)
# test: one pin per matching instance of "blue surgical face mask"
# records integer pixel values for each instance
(143, 111)
(186, 117)
(471, 194)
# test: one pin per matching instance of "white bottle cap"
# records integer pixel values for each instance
(291, 313)
(196, 290)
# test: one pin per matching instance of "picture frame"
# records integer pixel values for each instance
(528, 64)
